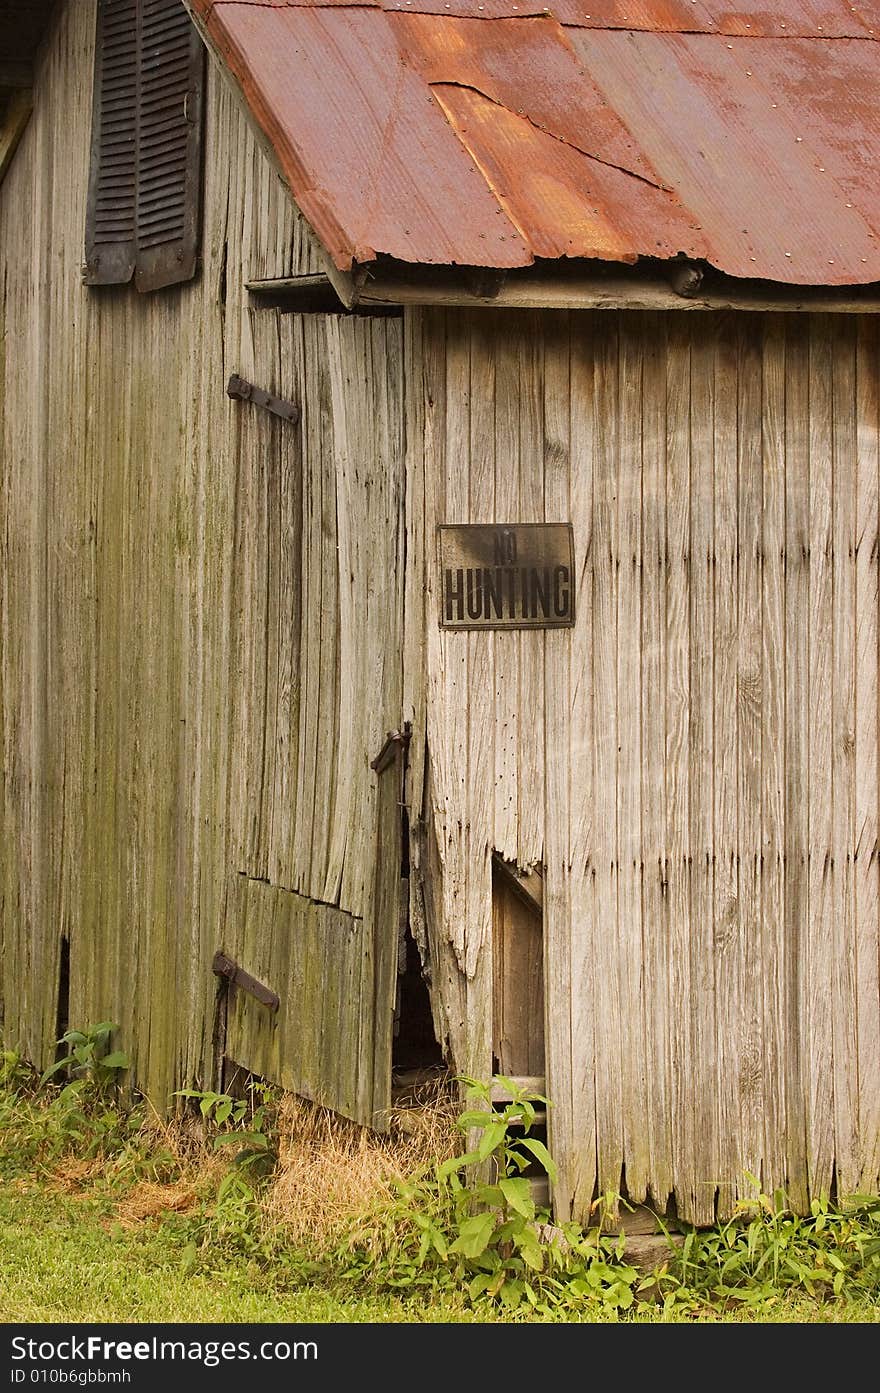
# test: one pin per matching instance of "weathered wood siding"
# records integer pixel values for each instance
(200, 617)
(695, 764)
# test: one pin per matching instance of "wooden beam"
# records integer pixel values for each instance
(12, 123)
(311, 294)
(612, 293)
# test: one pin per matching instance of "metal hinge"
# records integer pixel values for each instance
(226, 967)
(394, 740)
(240, 390)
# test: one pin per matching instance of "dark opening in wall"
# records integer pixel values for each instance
(62, 1012)
(415, 1044)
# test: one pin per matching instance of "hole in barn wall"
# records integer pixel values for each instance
(415, 1046)
(62, 1011)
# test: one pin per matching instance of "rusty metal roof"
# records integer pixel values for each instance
(491, 133)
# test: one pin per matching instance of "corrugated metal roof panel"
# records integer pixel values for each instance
(483, 134)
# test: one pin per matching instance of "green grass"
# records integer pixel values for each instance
(58, 1263)
(64, 1259)
(103, 1217)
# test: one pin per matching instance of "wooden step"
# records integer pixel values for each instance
(527, 1083)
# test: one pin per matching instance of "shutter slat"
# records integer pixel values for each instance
(110, 251)
(169, 154)
(144, 206)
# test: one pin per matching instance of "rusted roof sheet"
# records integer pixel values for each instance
(491, 133)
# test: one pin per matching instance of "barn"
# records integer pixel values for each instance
(439, 477)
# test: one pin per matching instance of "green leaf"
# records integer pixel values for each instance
(223, 1110)
(474, 1235)
(517, 1193)
(473, 1119)
(456, 1163)
(540, 1152)
(479, 1284)
(54, 1069)
(492, 1137)
(116, 1060)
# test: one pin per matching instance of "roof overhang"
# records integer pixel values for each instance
(386, 285)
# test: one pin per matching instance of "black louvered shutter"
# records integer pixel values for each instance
(110, 220)
(144, 211)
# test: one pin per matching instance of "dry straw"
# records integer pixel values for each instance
(332, 1171)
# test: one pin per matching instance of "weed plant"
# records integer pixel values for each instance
(304, 1200)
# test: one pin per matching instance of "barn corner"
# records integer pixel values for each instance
(439, 561)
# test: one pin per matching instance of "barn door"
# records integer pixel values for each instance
(307, 991)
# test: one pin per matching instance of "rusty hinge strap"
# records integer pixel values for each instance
(394, 740)
(225, 967)
(240, 390)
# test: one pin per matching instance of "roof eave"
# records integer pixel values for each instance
(599, 285)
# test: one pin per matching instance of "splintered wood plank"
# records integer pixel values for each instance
(290, 615)
(559, 928)
(351, 587)
(385, 912)
(725, 832)
(480, 731)
(530, 758)
(677, 702)
(820, 925)
(271, 449)
(609, 1099)
(506, 644)
(866, 849)
(843, 983)
(701, 1002)
(329, 675)
(629, 764)
(457, 711)
(656, 1007)
(749, 667)
(308, 772)
(574, 768)
(433, 367)
(415, 614)
(773, 715)
(797, 759)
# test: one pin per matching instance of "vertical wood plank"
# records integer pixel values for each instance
(749, 668)
(867, 426)
(658, 1010)
(629, 763)
(820, 923)
(797, 757)
(843, 983)
(701, 1004)
(727, 960)
(773, 716)
(580, 781)
(606, 556)
(559, 1005)
(677, 703)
